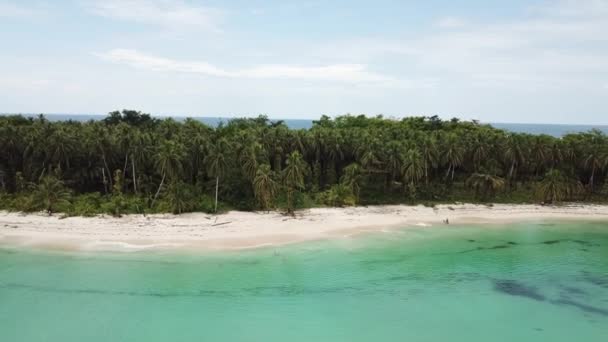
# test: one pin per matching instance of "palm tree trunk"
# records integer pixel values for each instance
(426, 172)
(134, 179)
(591, 178)
(124, 170)
(105, 181)
(217, 185)
(159, 187)
(289, 210)
(511, 174)
(105, 163)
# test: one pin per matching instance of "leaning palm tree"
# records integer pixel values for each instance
(413, 168)
(264, 186)
(556, 187)
(594, 161)
(50, 193)
(217, 164)
(249, 160)
(353, 177)
(485, 184)
(169, 160)
(429, 154)
(293, 176)
(139, 152)
(514, 154)
(453, 154)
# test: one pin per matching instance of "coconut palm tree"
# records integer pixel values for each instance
(216, 163)
(264, 186)
(556, 187)
(430, 155)
(293, 177)
(353, 178)
(413, 168)
(594, 161)
(139, 150)
(514, 154)
(249, 160)
(485, 184)
(179, 197)
(453, 154)
(50, 193)
(168, 161)
(392, 160)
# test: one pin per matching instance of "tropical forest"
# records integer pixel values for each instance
(131, 162)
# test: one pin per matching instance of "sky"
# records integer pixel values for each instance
(533, 61)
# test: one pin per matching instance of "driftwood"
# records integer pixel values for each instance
(219, 224)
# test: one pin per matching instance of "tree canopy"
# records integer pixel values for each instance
(255, 163)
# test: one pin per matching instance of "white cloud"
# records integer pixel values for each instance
(559, 45)
(9, 10)
(335, 72)
(174, 15)
(451, 22)
(25, 83)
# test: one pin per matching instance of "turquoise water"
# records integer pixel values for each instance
(527, 282)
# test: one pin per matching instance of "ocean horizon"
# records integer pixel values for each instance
(556, 130)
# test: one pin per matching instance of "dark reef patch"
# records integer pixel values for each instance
(596, 279)
(498, 247)
(514, 288)
(574, 290)
(551, 242)
(584, 307)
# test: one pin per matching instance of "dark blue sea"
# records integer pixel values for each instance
(556, 130)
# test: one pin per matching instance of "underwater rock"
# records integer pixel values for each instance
(514, 288)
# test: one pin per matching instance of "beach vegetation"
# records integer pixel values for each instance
(131, 162)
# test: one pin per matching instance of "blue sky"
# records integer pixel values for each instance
(496, 61)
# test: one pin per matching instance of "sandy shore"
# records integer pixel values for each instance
(236, 230)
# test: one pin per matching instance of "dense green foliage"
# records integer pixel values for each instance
(133, 163)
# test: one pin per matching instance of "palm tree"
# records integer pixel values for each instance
(179, 197)
(169, 161)
(51, 193)
(515, 155)
(594, 161)
(541, 152)
(485, 184)
(413, 168)
(480, 149)
(249, 160)
(217, 164)
(393, 162)
(353, 177)
(555, 187)
(61, 146)
(139, 152)
(429, 154)
(452, 154)
(293, 176)
(264, 186)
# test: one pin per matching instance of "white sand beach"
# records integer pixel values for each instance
(238, 230)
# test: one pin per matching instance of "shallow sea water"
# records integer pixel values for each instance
(524, 282)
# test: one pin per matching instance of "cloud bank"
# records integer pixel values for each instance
(173, 15)
(336, 72)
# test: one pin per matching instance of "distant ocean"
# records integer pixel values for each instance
(556, 130)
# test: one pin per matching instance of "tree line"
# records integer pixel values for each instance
(131, 162)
